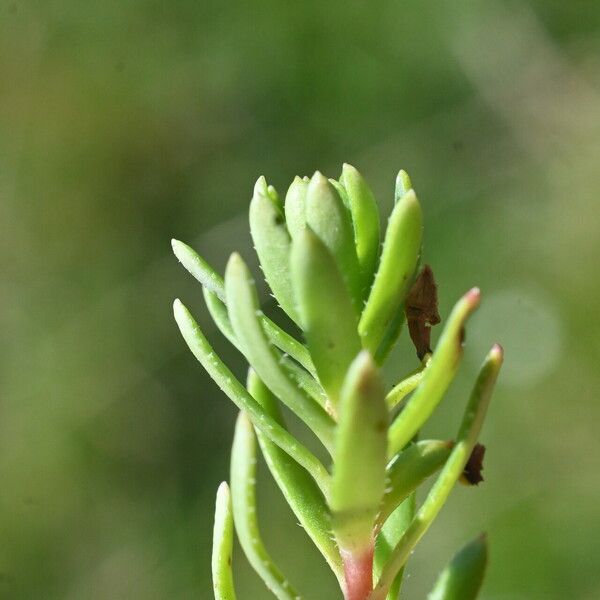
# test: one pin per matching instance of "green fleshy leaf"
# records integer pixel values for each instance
(295, 206)
(463, 576)
(305, 499)
(218, 312)
(341, 190)
(331, 221)
(287, 344)
(225, 379)
(274, 196)
(391, 335)
(243, 493)
(403, 184)
(328, 318)
(223, 546)
(390, 534)
(409, 469)
(407, 385)
(213, 282)
(305, 380)
(358, 482)
(272, 243)
(199, 268)
(242, 306)
(394, 275)
(437, 378)
(365, 218)
(467, 438)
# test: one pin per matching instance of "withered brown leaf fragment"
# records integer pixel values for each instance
(472, 473)
(422, 311)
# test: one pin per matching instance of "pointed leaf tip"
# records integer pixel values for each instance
(331, 221)
(474, 296)
(497, 353)
(365, 219)
(272, 243)
(261, 187)
(295, 206)
(198, 268)
(400, 253)
(177, 304)
(223, 546)
(403, 184)
(223, 491)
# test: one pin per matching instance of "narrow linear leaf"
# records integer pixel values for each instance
(407, 385)
(358, 482)
(409, 469)
(437, 377)
(199, 268)
(287, 344)
(331, 221)
(305, 380)
(295, 206)
(213, 282)
(225, 379)
(299, 489)
(223, 546)
(365, 218)
(242, 306)
(328, 318)
(463, 576)
(390, 337)
(243, 494)
(272, 243)
(388, 537)
(394, 276)
(466, 440)
(218, 312)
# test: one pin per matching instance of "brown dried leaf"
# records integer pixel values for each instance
(472, 473)
(422, 311)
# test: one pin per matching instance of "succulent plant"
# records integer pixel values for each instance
(349, 296)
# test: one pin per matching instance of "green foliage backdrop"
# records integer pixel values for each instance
(123, 124)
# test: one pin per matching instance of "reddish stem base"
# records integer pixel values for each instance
(358, 572)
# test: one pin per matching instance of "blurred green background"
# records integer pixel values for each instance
(123, 124)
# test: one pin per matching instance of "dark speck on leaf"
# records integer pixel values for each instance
(422, 311)
(381, 426)
(278, 219)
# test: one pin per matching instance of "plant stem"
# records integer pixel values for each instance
(358, 571)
